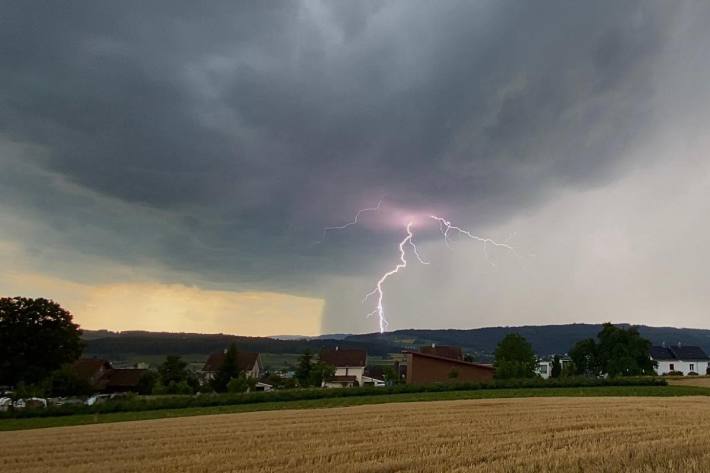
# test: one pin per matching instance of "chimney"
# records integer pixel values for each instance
(336, 347)
(680, 345)
(663, 344)
(433, 345)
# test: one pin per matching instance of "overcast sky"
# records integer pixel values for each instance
(171, 165)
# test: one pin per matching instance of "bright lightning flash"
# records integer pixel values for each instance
(445, 226)
(379, 309)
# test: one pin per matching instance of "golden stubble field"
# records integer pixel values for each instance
(497, 435)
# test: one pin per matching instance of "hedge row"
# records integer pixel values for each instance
(209, 400)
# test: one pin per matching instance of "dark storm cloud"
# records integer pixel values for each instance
(247, 126)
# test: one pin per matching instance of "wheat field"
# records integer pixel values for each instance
(494, 435)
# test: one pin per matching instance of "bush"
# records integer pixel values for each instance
(673, 373)
(692, 373)
(173, 388)
(209, 400)
(65, 382)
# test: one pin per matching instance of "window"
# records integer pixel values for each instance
(672, 367)
(542, 369)
(692, 367)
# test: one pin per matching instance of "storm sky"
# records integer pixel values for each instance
(171, 165)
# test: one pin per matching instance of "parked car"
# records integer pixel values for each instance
(97, 399)
(5, 403)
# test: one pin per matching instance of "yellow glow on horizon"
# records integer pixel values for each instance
(173, 307)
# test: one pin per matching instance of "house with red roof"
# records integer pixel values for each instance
(349, 366)
(103, 377)
(248, 362)
(444, 364)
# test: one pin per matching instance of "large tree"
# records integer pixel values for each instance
(228, 370)
(515, 358)
(303, 370)
(616, 352)
(37, 336)
(173, 370)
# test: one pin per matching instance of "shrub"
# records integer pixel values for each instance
(208, 400)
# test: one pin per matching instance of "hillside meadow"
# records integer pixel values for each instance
(493, 435)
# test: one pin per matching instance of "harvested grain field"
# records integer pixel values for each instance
(495, 435)
(699, 381)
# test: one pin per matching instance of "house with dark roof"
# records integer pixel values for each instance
(248, 362)
(679, 359)
(444, 365)
(103, 377)
(349, 366)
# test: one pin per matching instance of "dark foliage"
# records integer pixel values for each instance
(37, 337)
(556, 370)
(515, 358)
(617, 351)
(227, 371)
(65, 382)
(145, 404)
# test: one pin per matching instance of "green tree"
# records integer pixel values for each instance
(172, 370)
(623, 352)
(66, 382)
(320, 372)
(228, 370)
(568, 370)
(303, 370)
(585, 356)
(241, 384)
(37, 337)
(147, 382)
(515, 358)
(391, 376)
(556, 370)
(616, 352)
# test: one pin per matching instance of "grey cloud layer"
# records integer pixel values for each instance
(241, 128)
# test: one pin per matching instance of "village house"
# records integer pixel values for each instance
(444, 364)
(248, 362)
(544, 367)
(680, 359)
(349, 367)
(103, 377)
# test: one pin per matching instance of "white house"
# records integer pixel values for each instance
(544, 367)
(349, 367)
(680, 359)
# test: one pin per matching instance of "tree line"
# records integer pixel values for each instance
(39, 341)
(616, 351)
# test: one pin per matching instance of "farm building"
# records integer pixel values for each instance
(248, 362)
(444, 364)
(103, 377)
(680, 359)
(349, 366)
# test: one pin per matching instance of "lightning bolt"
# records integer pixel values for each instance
(351, 223)
(446, 226)
(379, 308)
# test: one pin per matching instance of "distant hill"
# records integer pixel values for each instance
(545, 339)
(327, 336)
(117, 345)
(481, 342)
